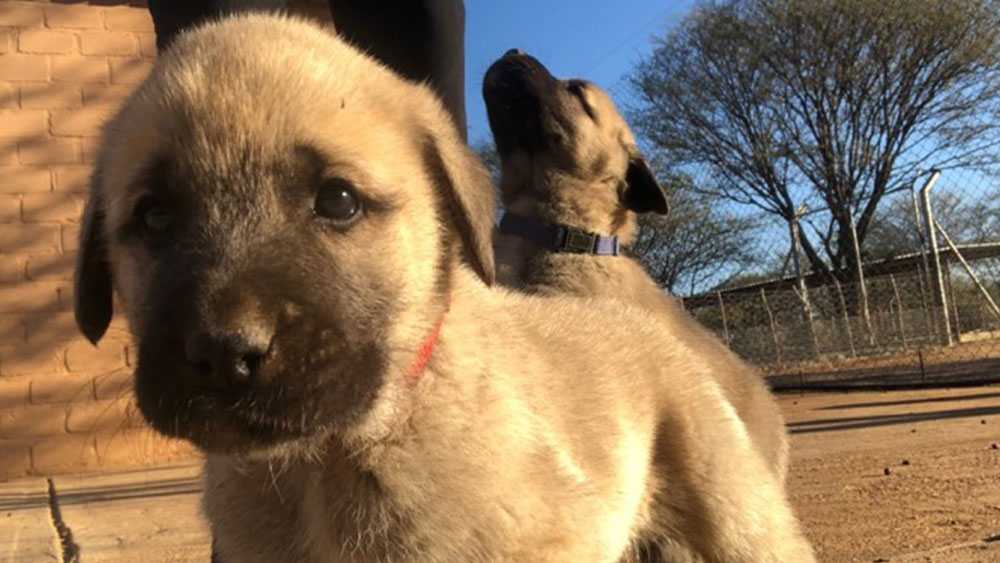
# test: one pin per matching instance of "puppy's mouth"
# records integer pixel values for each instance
(516, 89)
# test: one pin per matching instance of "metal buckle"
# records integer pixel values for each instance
(578, 240)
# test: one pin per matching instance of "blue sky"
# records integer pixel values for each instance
(599, 40)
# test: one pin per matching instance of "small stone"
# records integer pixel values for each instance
(983, 421)
(913, 431)
(993, 446)
(906, 462)
(886, 471)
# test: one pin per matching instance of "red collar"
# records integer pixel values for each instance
(426, 349)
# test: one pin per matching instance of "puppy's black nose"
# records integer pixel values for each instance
(226, 359)
(514, 53)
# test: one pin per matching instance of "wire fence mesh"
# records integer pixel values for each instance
(920, 311)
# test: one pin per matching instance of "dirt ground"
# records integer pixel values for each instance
(897, 476)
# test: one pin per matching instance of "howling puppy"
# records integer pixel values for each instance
(302, 247)
(573, 181)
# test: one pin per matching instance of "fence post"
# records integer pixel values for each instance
(925, 196)
(847, 318)
(899, 310)
(722, 313)
(953, 301)
(931, 319)
(859, 263)
(802, 291)
(774, 327)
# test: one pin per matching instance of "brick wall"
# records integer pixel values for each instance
(64, 404)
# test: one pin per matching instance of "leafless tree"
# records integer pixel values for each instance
(836, 103)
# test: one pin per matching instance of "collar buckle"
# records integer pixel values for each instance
(578, 240)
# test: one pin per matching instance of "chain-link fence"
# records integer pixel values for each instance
(921, 310)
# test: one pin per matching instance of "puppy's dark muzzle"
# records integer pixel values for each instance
(514, 88)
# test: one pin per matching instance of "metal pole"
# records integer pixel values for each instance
(722, 313)
(899, 310)
(925, 197)
(847, 318)
(803, 291)
(968, 270)
(925, 275)
(865, 314)
(774, 327)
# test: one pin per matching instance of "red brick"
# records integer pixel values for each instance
(60, 388)
(129, 71)
(15, 458)
(50, 96)
(8, 155)
(70, 238)
(57, 206)
(19, 179)
(21, 360)
(51, 328)
(128, 19)
(80, 70)
(88, 417)
(45, 41)
(111, 95)
(137, 446)
(8, 96)
(113, 385)
(10, 209)
(82, 356)
(63, 454)
(33, 420)
(21, 14)
(28, 68)
(11, 270)
(11, 329)
(114, 43)
(147, 45)
(73, 16)
(29, 239)
(50, 267)
(49, 151)
(13, 391)
(28, 297)
(72, 178)
(23, 123)
(78, 123)
(65, 292)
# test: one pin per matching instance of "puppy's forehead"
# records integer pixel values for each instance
(218, 111)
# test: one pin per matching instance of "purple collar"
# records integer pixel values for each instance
(558, 237)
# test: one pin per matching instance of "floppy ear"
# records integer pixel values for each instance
(642, 192)
(470, 196)
(92, 279)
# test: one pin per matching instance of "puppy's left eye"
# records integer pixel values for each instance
(337, 201)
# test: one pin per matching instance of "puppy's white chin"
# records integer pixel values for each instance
(308, 449)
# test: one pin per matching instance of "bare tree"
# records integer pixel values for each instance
(895, 230)
(698, 245)
(836, 103)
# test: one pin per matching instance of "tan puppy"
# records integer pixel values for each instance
(300, 241)
(569, 158)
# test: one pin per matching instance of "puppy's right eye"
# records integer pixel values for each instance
(153, 218)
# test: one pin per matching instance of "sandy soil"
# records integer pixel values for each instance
(897, 476)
